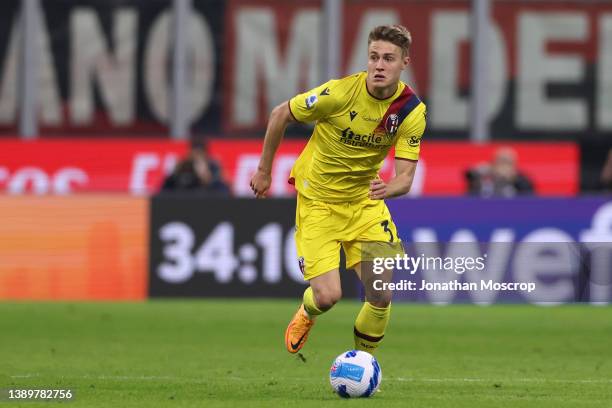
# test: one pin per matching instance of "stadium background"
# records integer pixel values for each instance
(88, 106)
(99, 100)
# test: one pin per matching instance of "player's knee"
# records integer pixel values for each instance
(327, 298)
(381, 303)
(381, 299)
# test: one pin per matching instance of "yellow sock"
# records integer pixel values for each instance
(370, 326)
(309, 304)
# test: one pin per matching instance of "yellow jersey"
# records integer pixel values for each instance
(352, 136)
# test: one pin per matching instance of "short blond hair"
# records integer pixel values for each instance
(395, 34)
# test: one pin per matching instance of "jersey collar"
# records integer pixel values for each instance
(398, 91)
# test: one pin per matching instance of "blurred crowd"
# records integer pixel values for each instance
(606, 174)
(196, 173)
(499, 178)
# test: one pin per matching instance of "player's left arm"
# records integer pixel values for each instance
(398, 185)
(407, 150)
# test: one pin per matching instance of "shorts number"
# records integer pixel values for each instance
(385, 225)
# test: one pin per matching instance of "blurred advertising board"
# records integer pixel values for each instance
(245, 248)
(549, 66)
(100, 247)
(562, 245)
(64, 166)
(105, 66)
(223, 247)
(90, 247)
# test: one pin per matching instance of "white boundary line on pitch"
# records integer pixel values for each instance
(399, 379)
(507, 380)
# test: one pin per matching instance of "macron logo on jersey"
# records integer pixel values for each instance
(324, 92)
(311, 100)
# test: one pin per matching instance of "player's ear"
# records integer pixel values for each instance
(406, 61)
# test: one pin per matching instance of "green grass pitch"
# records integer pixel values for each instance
(229, 353)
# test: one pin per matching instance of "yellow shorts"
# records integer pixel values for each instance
(321, 228)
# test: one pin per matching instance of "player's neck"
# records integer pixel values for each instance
(382, 93)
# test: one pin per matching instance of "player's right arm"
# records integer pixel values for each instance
(310, 106)
(280, 117)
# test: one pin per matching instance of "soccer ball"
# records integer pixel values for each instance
(354, 374)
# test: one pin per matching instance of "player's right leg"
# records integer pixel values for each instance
(324, 291)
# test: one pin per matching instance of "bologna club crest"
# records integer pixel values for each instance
(392, 124)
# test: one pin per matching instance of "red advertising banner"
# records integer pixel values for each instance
(105, 165)
(139, 166)
(553, 167)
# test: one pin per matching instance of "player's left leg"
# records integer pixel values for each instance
(373, 318)
(376, 237)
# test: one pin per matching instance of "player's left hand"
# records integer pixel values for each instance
(260, 183)
(378, 189)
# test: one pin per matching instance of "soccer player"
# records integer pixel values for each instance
(340, 196)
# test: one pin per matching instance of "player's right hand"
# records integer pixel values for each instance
(260, 183)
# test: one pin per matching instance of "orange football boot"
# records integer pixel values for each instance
(297, 331)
